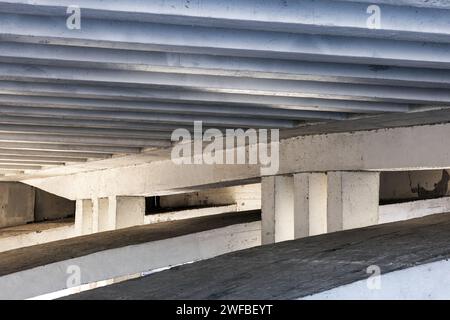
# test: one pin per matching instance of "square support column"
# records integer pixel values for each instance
(106, 217)
(130, 211)
(118, 212)
(84, 217)
(353, 199)
(277, 205)
(310, 204)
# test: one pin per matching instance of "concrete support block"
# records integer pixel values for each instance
(267, 210)
(353, 199)
(106, 214)
(310, 204)
(84, 217)
(130, 211)
(277, 203)
(116, 212)
(16, 204)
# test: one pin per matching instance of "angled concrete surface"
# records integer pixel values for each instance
(35, 256)
(295, 269)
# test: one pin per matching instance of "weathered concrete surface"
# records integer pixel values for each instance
(16, 204)
(31, 257)
(297, 268)
(51, 207)
(35, 233)
(409, 148)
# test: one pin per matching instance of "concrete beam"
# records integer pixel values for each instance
(409, 148)
(80, 140)
(148, 118)
(329, 17)
(60, 147)
(221, 84)
(190, 39)
(200, 64)
(80, 156)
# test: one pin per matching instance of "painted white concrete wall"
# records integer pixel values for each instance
(143, 257)
(425, 282)
(413, 209)
(37, 237)
(188, 214)
(245, 197)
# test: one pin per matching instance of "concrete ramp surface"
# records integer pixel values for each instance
(304, 267)
(47, 268)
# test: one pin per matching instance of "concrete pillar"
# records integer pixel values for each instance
(277, 205)
(130, 211)
(117, 212)
(105, 213)
(353, 199)
(84, 217)
(310, 204)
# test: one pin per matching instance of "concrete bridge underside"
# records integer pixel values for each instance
(135, 71)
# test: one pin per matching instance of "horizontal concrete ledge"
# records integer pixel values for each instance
(189, 213)
(295, 269)
(413, 209)
(35, 233)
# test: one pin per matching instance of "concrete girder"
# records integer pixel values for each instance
(29, 162)
(217, 84)
(81, 140)
(107, 133)
(40, 159)
(74, 123)
(409, 148)
(180, 63)
(57, 147)
(286, 97)
(204, 101)
(324, 16)
(75, 156)
(15, 167)
(145, 117)
(194, 39)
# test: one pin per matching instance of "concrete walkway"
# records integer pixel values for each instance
(295, 269)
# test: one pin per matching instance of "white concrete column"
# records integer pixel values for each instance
(310, 204)
(84, 217)
(130, 211)
(106, 215)
(353, 199)
(118, 212)
(277, 205)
